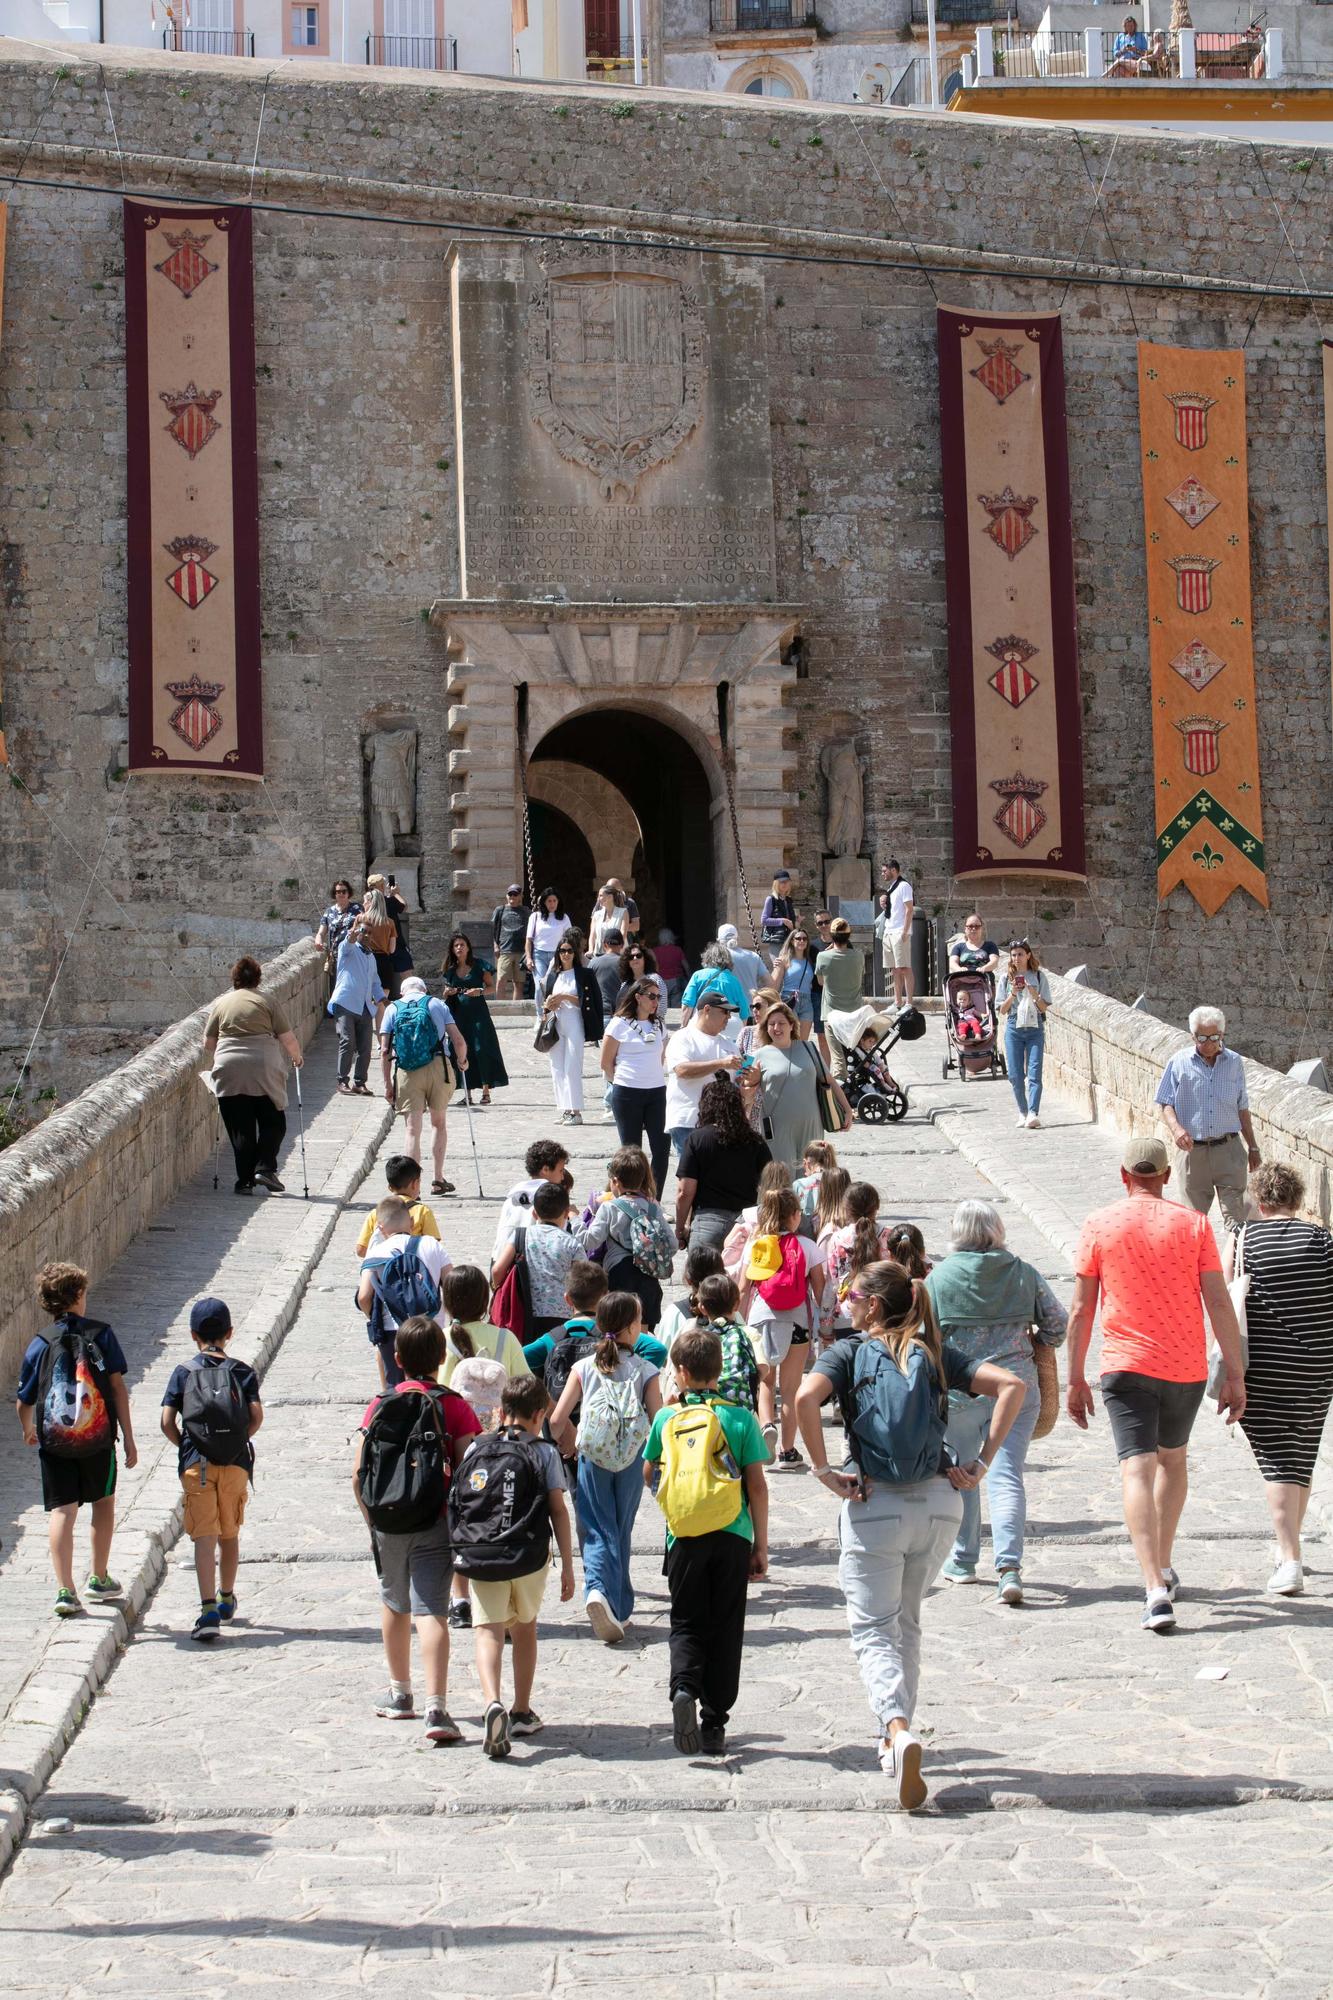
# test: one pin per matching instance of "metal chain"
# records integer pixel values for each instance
(728, 772)
(521, 730)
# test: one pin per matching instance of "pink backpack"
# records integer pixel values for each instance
(785, 1290)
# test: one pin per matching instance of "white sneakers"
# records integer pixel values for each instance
(1033, 1121)
(900, 1759)
(606, 1627)
(1287, 1580)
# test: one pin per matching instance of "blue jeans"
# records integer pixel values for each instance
(606, 1503)
(1023, 1052)
(969, 1423)
(541, 965)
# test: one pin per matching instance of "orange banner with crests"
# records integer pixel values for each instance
(4, 217)
(1209, 820)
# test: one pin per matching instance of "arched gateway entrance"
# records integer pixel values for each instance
(625, 715)
(642, 801)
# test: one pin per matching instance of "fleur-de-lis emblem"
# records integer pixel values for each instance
(1207, 858)
(1245, 786)
(1226, 825)
(1233, 460)
(1183, 824)
(1238, 621)
(1152, 455)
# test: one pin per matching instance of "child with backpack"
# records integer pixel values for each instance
(210, 1411)
(902, 1496)
(705, 1458)
(402, 1176)
(71, 1398)
(859, 1241)
(640, 1242)
(784, 1282)
(777, 1174)
(616, 1395)
(818, 1157)
(742, 1373)
(400, 1280)
(553, 1353)
(700, 1263)
(411, 1441)
(548, 1250)
(480, 1360)
(504, 1506)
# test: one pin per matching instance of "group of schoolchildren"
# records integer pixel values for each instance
(562, 1369)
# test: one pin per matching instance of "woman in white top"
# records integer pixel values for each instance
(572, 997)
(1021, 1000)
(632, 1051)
(609, 913)
(546, 926)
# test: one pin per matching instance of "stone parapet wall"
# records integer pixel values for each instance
(83, 1185)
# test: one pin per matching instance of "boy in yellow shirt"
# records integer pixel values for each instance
(403, 1175)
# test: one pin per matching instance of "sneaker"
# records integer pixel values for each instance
(440, 1725)
(1009, 1589)
(270, 1181)
(344, 1088)
(685, 1723)
(396, 1707)
(67, 1604)
(564, 1117)
(524, 1722)
(713, 1739)
(496, 1740)
(460, 1614)
(207, 1625)
(1033, 1122)
(576, 1117)
(1021, 1121)
(1287, 1580)
(1158, 1612)
(789, 1461)
(102, 1588)
(900, 1759)
(605, 1626)
(1172, 1582)
(244, 1187)
(959, 1572)
(770, 1437)
(226, 1606)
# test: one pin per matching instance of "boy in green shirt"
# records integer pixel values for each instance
(708, 1574)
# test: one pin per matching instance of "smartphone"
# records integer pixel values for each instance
(747, 1062)
(393, 881)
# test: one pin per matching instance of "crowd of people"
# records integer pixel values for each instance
(515, 1406)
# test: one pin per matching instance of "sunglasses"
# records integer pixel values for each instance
(1019, 944)
(1209, 1038)
(566, 951)
(636, 954)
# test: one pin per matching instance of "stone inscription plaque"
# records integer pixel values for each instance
(612, 425)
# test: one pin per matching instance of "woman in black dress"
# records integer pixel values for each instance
(467, 981)
(1289, 1374)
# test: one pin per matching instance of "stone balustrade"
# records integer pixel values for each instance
(81, 1186)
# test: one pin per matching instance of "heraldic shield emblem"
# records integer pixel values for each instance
(1198, 741)
(196, 721)
(616, 371)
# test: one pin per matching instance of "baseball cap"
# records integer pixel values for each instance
(713, 997)
(514, 889)
(727, 934)
(209, 1317)
(413, 988)
(1145, 1156)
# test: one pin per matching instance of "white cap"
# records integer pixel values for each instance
(728, 934)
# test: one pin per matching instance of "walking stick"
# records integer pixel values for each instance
(206, 1078)
(472, 1134)
(300, 1126)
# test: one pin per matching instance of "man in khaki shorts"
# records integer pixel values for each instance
(413, 1033)
(898, 932)
(509, 928)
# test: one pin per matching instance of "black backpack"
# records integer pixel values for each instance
(404, 1475)
(560, 1361)
(75, 1415)
(499, 1516)
(215, 1415)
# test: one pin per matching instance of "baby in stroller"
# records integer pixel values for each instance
(971, 1013)
(872, 1064)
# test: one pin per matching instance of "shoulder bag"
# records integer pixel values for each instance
(1239, 1291)
(547, 1035)
(1048, 1387)
(830, 1111)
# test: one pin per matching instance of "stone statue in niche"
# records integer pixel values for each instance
(845, 820)
(392, 756)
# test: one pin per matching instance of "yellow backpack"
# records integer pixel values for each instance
(763, 1259)
(701, 1488)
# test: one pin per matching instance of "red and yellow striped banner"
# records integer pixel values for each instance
(1209, 820)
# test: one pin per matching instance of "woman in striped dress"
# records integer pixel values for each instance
(1289, 1379)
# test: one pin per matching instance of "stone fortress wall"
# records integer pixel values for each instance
(360, 508)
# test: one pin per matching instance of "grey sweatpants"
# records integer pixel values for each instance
(892, 1546)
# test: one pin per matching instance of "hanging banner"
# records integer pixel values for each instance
(1015, 717)
(1328, 458)
(1209, 821)
(193, 499)
(4, 218)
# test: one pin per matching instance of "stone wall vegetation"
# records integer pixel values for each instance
(86, 1181)
(861, 232)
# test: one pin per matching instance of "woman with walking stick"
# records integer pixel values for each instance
(248, 1042)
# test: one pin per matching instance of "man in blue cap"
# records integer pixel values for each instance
(210, 1412)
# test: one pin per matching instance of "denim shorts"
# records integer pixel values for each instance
(1148, 1415)
(415, 1570)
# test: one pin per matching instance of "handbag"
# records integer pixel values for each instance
(1238, 1291)
(830, 1111)
(547, 1035)
(1048, 1386)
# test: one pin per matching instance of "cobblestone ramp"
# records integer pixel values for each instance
(1102, 1820)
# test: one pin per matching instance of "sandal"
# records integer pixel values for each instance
(361, 1090)
(442, 1187)
(485, 1100)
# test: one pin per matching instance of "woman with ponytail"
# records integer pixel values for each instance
(616, 1394)
(858, 1242)
(902, 1490)
(906, 1245)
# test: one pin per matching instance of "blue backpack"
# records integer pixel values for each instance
(415, 1040)
(403, 1288)
(897, 1419)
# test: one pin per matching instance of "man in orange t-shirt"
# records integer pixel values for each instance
(1155, 1266)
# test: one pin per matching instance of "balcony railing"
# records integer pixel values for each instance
(412, 51)
(1239, 54)
(1048, 52)
(913, 86)
(752, 17)
(209, 41)
(961, 13)
(616, 64)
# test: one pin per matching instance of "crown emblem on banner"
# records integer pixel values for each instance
(999, 371)
(196, 721)
(187, 266)
(1020, 816)
(1191, 410)
(1011, 680)
(1194, 581)
(1010, 528)
(192, 421)
(191, 582)
(1198, 741)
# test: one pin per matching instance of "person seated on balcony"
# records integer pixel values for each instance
(1157, 61)
(1129, 46)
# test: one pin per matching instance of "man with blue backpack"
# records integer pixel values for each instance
(901, 1488)
(400, 1280)
(414, 1033)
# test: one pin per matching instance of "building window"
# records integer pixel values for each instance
(768, 86)
(305, 27)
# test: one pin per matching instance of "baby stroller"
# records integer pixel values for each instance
(873, 1092)
(972, 1027)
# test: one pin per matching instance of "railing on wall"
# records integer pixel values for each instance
(209, 41)
(616, 64)
(412, 51)
(731, 17)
